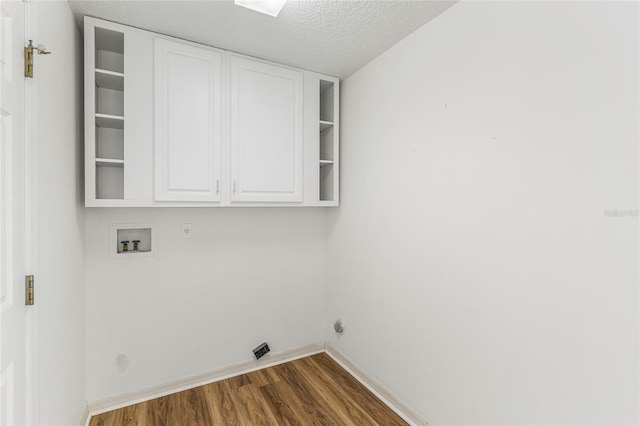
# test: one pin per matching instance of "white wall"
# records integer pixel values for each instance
(471, 259)
(246, 276)
(60, 294)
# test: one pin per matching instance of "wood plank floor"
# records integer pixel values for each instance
(310, 391)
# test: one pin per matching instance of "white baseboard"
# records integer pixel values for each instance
(377, 388)
(84, 419)
(178, 385)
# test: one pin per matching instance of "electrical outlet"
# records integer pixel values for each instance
(186, 230)
(261, 350)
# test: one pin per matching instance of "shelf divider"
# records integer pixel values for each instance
(110, 121)
(109, 162)
(325, 125)
(109, 79)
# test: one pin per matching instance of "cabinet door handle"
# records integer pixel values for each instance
(218, 186)
(234, 186)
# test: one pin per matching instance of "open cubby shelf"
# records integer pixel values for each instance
(327, 141)
(109, 143)
(109, 47)
(326, 183)
(110, 102)
(109, 117)
(109, 182)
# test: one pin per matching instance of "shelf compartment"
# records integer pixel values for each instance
(327, 143)
(109, 143)
(326, 182)
(109, 182)
(109, 79)
(109, 50)
(110, 61)
(326, 102)
(325, 85)
(110, 121)
(110, 102)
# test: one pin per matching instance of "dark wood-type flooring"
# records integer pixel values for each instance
(309, 391)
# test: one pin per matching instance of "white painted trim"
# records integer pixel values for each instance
(84, 418)
(638, 400)
(377, 388)
(31, 139)
(167, 388)
(178, 385)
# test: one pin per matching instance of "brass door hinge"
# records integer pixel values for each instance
(28, 290)
(28, 57)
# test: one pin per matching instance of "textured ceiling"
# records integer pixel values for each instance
(330, 37)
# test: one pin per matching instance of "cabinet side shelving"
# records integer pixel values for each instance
(108, 70)
(327, 191)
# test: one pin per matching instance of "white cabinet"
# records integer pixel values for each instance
(266, 113)
(188, 123)
(170, 123)
(118, 115)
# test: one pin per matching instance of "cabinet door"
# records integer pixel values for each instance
(188, 133)
(266, 132)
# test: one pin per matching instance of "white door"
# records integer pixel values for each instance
(266, 132)
(13, 368)
(188, 132)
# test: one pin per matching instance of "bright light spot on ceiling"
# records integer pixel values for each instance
(268, 7)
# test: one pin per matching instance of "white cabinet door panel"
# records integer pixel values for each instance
(188, 101)
(266, 132)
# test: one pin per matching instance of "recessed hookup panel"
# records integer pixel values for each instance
(128, 241)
